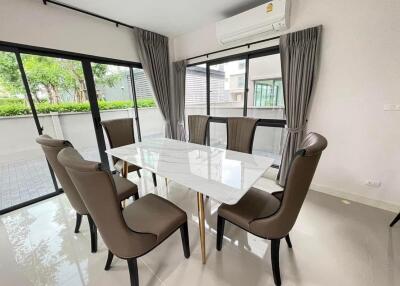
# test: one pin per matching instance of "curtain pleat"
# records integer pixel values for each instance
(299, 59)
(154, 56)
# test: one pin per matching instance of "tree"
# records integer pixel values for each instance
(53, 75)
(10, 78)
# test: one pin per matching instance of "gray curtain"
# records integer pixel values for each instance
(153, 54)
(178, 109)
(299, 59)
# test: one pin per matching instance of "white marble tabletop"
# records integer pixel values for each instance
(221, 174)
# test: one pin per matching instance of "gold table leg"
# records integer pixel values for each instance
(125, 175)
(125, 170)
(200, 205)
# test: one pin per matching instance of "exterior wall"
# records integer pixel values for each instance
(358, 74)
(77, 127)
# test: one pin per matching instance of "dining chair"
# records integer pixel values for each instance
(133, 231)
(198, 128)
(124, 188)
(272, 216)
(240, 133)
(120, 133)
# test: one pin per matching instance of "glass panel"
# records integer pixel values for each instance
(114, 94)
(59, 91)
(24, 173)
(196, 91)
(265, 100)
(150, 117)
(226, 96)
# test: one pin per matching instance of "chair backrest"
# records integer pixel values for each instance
(98, 191)
(198, 128)
(298, 180)
(119, 132)
(240, 133)
(51, 147)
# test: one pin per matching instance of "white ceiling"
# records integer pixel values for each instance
(167, 17)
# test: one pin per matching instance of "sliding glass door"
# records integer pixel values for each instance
(66, 96)
(59, 92)
(24, 172)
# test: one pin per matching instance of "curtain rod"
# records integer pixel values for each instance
(117, 23)
(233, 48)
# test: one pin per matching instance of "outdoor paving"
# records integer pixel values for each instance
(24, 180)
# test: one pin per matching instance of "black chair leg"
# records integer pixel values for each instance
(133, 271)
(138, 173)
(109, 260)
(154, 179)
(78, 222)
(220, 232)
(289, 243)
(396, 219)
(275, 260)
(185, 239)
(93, 234)
(136, 196)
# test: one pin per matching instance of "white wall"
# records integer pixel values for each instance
(359, 73)
(32, 23)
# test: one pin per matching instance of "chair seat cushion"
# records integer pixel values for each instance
(119, 165)
(254, 204)
(125, 188)
(153, 214)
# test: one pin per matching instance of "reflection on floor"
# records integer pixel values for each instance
(334, 243)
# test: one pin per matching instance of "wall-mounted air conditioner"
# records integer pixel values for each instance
(264, 20)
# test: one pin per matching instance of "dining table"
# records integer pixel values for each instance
(220, 174)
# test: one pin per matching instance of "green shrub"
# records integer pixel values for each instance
(11, 100)
(19, 108)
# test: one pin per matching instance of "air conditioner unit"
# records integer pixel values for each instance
(264, 20)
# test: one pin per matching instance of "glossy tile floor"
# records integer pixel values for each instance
(335, 242)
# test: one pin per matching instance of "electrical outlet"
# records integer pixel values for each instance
(373, 184)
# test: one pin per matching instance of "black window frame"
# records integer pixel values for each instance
(86, 61)
(265, 122)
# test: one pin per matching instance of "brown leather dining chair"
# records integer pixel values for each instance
(120, 133)
(198, 129)
(125, 188)
(240, 133)
(133, 231)
(272, 216)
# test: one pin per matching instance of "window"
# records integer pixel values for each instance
(65, 95)
(24, 174)
(268, 93)
(196, 91)
(227, 87)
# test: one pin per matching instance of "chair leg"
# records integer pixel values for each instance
(133, 271)
(154, 179)
(275, 260)
(78, 222)
(109, 260)
(138, 173)
(93, 234)
(185, 239)
(289, 243)
(220, 232)
(396, 219)
(136, 196)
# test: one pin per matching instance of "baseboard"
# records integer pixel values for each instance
(356, 198)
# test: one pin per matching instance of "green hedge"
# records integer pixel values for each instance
(7, 101)
(45, 107)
